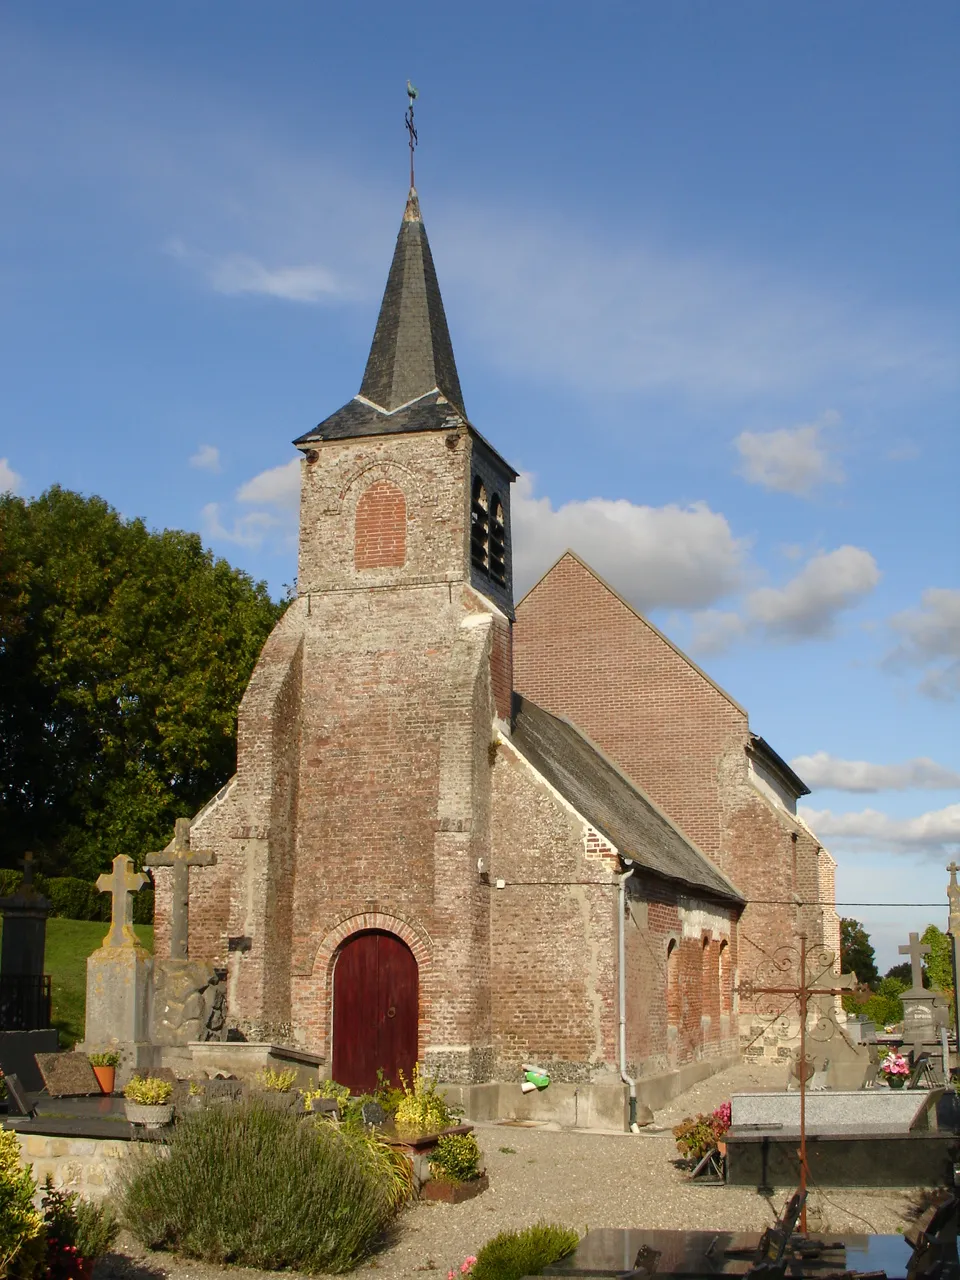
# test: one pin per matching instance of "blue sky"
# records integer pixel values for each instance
(700, 265)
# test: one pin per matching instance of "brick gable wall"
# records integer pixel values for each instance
(580, 652)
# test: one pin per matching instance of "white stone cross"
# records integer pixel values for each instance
(181, 858)
(121, 882)
(916, 951)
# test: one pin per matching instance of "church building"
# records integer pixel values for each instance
(429, 855)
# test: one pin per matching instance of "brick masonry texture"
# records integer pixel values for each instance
(581, 652)
(375, 770)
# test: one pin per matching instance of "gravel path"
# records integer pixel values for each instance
(581, 1180)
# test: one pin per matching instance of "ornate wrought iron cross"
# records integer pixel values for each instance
(785, 961)
(412, 94)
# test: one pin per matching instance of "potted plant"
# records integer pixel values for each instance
(455, 1166)
(147, 1101)
(105, 1069)
(895, 1069)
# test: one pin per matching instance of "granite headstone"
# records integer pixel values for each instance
(67, 1074)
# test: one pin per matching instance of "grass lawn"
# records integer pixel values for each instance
(69, 942)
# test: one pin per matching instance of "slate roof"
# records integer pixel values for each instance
(411, 381)
(596, 788)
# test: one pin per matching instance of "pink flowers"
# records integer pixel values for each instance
(465, 1268)
(895, 1064)
(722, 1118)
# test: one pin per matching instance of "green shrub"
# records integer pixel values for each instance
(76, 1229)
(149, 1091)
(422, 1109)
(75, 899)
(514, 1254)
(276, 1081)
(258, 1187)
(456, 1158)
(22, 1233)
(104, 1059)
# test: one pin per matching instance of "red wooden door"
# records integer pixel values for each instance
(375, 1011)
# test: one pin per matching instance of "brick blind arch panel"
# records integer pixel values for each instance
(381, 527)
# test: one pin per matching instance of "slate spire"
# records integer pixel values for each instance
(411, 353)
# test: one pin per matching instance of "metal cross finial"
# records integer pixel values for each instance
(412, 94)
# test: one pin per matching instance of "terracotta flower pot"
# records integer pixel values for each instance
(106, 1077)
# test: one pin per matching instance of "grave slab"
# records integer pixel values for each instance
(67, 1074)
(827, 1110)
(612, 1252)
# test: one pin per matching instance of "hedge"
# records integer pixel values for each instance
(75, 899)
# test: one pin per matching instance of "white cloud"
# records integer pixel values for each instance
(934, 833)
(237, 273)
(806, 608)
(10, 480)
(207, 458)
(714, 630)
(791, 460)
(279, 486)
(275, 495)
(827, 771)
(930, 639)
(612, 314)
(682, 557)
(246, 531)
(809, 603)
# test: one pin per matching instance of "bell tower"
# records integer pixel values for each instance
(398, 485)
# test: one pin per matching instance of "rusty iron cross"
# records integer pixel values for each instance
(180, 858)
(804, 990)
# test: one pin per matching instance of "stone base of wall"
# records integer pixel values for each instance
(579, 1106)
(87, 1165)
(244, 1058)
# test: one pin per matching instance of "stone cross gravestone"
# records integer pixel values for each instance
(121, 883)
(924, 1012)
(119, 977)
(180, 859)
(67, 1074)
(187, 992)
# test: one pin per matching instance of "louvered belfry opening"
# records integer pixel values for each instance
(479, 527)
(497, 555)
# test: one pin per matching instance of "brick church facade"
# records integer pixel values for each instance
(427, 854)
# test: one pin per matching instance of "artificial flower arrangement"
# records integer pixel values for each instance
(895, 1069)
(697, 1135)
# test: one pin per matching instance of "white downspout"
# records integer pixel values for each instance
(622, 986)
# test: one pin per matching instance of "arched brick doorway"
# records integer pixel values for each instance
(375, 1010)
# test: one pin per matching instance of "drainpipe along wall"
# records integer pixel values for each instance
(622, 985)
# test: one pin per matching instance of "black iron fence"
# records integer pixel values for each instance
(24, 1002)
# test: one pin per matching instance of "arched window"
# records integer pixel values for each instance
(498, 570)
(726, 982)
(673, 984)
(380, 540)
(479, 527)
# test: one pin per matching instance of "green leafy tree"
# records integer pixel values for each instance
(856, 951)
(901, 971)
(938, 963)
(123, 657)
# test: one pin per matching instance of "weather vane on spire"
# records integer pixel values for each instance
(412, 95)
